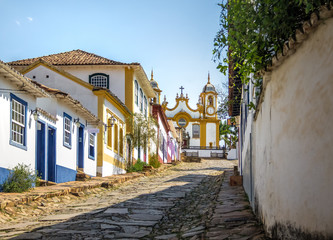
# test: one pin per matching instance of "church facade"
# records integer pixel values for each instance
(200, 126)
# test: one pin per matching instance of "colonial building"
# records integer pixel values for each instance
(41, 128)
(111, 90)
(200, 126)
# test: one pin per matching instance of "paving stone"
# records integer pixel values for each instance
(59, 217)
(116, 211)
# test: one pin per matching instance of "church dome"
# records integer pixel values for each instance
(209, 87)
(154, 84)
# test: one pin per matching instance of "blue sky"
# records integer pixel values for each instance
(174, 37)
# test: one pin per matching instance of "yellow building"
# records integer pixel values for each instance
(201, 125)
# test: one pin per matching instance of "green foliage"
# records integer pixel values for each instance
(143, 129)
(153, 161)
(252, 32)
(138, 166)
(20, 179)
(229, 134)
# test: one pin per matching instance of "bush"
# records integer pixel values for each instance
(20, 179)
(138, 166)
(153, 161)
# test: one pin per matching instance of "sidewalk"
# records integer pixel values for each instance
(8, 200)
(233, 217)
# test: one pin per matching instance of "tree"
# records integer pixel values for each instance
(142, 130)
(229, 134)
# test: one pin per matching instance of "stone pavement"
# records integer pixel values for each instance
(183, 202)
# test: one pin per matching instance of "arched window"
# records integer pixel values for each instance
(116, 137)
(121, 139)
(136, 89)
(99, 80)
(141, 100)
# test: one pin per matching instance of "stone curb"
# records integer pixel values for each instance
(74, 187)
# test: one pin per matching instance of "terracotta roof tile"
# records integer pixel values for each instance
(75, 57)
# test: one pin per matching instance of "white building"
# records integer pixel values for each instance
(39, 130)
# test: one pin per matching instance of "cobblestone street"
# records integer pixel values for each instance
(188, 201)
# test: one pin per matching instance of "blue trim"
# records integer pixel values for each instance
(4, 173)
(103, 74)
(78, 146)
(40, 164)
(11, 142)
(51, 178)
(70, 130)
(64, 174)
(91, 150)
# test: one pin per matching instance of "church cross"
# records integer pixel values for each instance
(181, 89)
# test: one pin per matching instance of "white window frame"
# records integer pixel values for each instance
(67, 130)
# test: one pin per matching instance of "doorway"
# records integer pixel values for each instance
(80, 153)
(51, 154)
(40, 150)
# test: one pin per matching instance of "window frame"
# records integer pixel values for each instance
(68, 145)
(145, 105)
(136, 92)
(101, 74)
(91, 148)
(109, 133)
(141, 100)
(121, 139)
(22, 145)
(195, 136)
(115, 140)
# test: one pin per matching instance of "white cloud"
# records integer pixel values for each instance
(18, 23)
(30, 19)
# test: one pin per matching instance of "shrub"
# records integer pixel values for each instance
(138, 166)
(153, 161)
(20, 179)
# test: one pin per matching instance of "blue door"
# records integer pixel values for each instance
(40, 150)
(51, 154)
(80, 154)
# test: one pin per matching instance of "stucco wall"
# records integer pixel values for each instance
(55, 80)
(293, 143)
(12, 155)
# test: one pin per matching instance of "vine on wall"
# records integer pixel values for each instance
(253, 31)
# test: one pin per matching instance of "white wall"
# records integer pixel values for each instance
(211, 134)
(55, 80)
(12, 155)
(116, 76)
(293, 141)
(182, 107)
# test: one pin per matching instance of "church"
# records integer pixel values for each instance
(200, 126)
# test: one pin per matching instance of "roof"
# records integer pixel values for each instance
(22, 82)
(70, 101)
(75, 57)
(114, 97)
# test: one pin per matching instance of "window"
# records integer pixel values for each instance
(99, 80)
(121, 146)
(67, 130)
(91, 150)
(141, 100)
(18, 122)
(145, 105)
(109, 132)
(182, 122)
(116, 137)
(210, 100)
(136, 92)
(195, 130)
